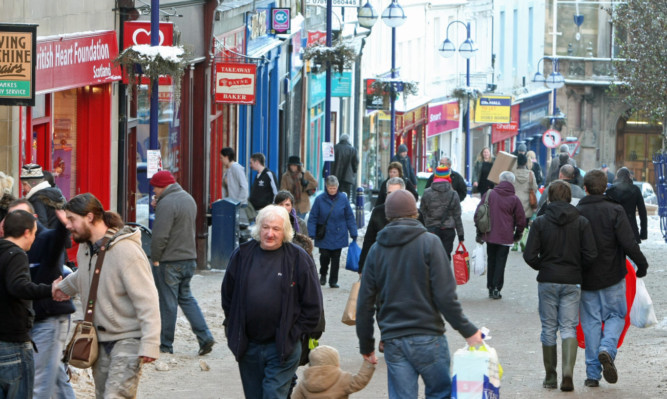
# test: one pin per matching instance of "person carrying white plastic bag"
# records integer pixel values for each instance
(479, 260)
(642, 314)
(476, 372)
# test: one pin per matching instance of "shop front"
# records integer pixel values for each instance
(503, 134)
(532, 113)
(71, 128)
(411, 131)
(443, 134)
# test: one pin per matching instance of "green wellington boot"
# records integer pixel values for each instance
(550, 358)
(569, 358)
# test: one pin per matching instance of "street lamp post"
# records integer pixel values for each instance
(466, 50)
(393, 16)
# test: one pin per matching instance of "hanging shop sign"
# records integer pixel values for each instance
(316, 37)
(69, 61)
(493, 109)
(442, 118)
(280, 20)
(341, 84)
(373, 100)
(139, 32)
(551, 138)
(336, 3)
(18, 46)
(235, 83)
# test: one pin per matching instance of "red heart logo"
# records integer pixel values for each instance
(142, 36)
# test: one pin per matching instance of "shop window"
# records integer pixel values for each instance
(65, 141)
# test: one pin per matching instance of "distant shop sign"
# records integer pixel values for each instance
(442, 118)
(18, 46)
(139, 32)
(493, 109)
(341, 84)
(235, 83)
(280, 20)
(336, 3)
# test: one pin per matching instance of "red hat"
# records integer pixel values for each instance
(162, 179)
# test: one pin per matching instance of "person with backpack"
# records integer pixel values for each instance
(442, 210)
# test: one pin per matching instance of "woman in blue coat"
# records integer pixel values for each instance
(331, 209)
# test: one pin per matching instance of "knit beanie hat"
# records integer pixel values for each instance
(162, 179)
(564, 148)
(442, 173)
(324, 355)
(31, 171)
(400, 204)
(521, 148)
(402, 148)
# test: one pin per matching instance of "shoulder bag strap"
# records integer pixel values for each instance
(332, 208)
(92, 295)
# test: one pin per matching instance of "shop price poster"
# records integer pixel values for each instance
(328, 152)
(154, 162)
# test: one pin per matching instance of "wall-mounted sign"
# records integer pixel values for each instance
(18, 46)
(235, 83)
(443, 118)
(551, 138)
(69, 61)
(373, 101)
(328, 152)
(341, 84)
(280, 20)
(493, 109)
(139, 32)
(336, 3)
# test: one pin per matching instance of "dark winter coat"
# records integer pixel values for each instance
(376, 223)
(382, 194)
(301, 299)
(45, 202)
(408, 276)
(537, 171)
(507, 217)
(346, 162)
(408, 172)
(458, 182)
(631, 199)
(16, 294)
(438, 200)
(46, 264)
(613, 239)
(339, 223)
(263, 189)
(560, 245)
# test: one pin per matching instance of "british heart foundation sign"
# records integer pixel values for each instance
(18, 45)
(235, 83)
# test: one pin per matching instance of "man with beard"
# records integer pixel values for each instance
(128, 324)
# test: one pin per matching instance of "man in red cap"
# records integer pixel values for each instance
(174, 256)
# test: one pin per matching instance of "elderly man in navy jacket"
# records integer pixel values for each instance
(271, 299)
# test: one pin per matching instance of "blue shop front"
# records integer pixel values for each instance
(532, 111)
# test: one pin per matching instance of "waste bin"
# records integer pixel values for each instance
(146, 237)
(224, 231)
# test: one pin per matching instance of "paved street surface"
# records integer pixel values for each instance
(513, 321)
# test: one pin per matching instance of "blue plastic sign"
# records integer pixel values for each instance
(280, 20)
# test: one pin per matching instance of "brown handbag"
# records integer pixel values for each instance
(532, 198)
(82, 349)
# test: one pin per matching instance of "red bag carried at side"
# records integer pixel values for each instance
(461, 264)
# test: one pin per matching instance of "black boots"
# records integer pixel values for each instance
(323, 279)
(550, 359)
(569, 358)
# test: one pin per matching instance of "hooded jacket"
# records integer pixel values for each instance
(263, 189)
(525, 183)
(16, 294)
(507, 217)
(127, 300)
(438, 200)
(560, 245)
(324, 379)
(46, 199)
(301, 299)
(173, 236)
(613, 239)
(631, 199)
(407, 275)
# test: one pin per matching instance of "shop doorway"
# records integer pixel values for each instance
(636, 142)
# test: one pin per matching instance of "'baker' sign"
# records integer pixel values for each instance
(235, 83)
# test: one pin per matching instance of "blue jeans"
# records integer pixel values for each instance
(607, 306)
(263, 375)
(559, 310)
(17, 370)
(51, 378)
(409, 357)
(173, 284)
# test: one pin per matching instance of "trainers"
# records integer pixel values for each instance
(206, 348)
(608, 369)
(591, 383)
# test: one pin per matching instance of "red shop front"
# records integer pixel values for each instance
(69, 130)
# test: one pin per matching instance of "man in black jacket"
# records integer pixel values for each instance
(345, 165)
(16, 294)
(458, 182)
(603, 287)
(52, 318)
(265, 186)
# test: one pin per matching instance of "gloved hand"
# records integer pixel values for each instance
(304, 181)
(517, 237)
(461, 238)
(478, 239)
(641, 273)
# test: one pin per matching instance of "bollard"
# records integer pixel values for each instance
(361, 217)
(660, 167)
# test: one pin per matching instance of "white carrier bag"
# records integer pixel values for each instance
(476, 373)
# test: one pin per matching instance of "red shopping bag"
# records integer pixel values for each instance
(630, 290)
(461, 264)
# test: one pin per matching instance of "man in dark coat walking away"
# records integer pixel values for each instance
(603, 287)
(458, 182)
(631, 199)
(345, 165)
(402, 157)
(507, 223)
